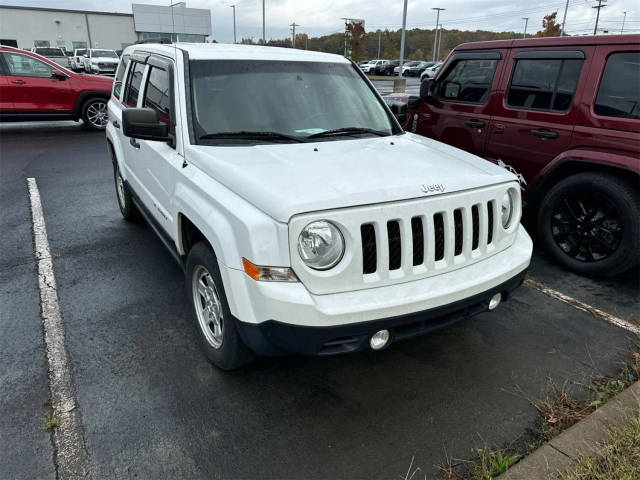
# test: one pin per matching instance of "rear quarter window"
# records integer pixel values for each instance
(619, 91)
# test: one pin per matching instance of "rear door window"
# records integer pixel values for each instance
(619, 92)
(133, 86)
(544, 84)
(469, 81)
(26, 66)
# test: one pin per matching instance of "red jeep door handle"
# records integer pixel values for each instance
(18, 82)
(544, 133)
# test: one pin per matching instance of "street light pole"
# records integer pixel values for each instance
(234, 22)
(564, 18)
(624, 19)
(435, 37)
(264, 38)
(380, 36)
(439, 40)
(404, 26)
(526, 22)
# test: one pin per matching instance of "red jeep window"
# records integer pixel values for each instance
(619, 92)
(157, 94)
(468, 81)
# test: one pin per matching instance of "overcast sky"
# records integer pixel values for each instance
(320, 17)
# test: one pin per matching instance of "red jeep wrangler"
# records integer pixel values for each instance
(565, 114)
(33, 87)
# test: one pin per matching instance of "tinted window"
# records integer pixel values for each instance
(619, 93)
(117, 82)
(157, 94)
(468, 81)
(26, 66)
(544, 84)
(133, 87)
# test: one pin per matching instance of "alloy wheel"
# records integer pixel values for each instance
(97, 114)
(208, 306)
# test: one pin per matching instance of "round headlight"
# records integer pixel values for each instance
(507, 208)
(321, 245)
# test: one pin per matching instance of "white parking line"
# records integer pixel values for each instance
(68, 441)
(596, 312)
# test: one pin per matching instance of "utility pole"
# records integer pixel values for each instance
(564, 18)
(439, 40)
(346, 30)
(234, 22)
(293, 28)
(595, 29)
(380, 36)
(526, 22)
(404, 26)
(264, 38)
(435, 37)
(624, 19)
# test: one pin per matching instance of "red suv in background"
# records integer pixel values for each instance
(565, 114)
(33, 87)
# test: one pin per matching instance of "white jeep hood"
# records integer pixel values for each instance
(286, 179)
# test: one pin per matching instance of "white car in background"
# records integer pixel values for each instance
(299, 230)
(77, 59)
(101, 61)
(431, 71)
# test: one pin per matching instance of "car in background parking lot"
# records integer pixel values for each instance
(35, 88)
(564, 113)
(418, 68)
(55, 54)
(431, 71)
(100, 61)
(405, 67)
(385, 67)
(77, 59)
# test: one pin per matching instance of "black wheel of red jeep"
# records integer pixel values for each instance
(590, 223)
(215, 324)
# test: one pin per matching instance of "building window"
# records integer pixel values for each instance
(174, 37)
(619, 92)
(41, 43)
(79, 45)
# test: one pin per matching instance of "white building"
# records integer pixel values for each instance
(26, 27)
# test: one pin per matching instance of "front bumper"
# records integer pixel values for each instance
(272, 314)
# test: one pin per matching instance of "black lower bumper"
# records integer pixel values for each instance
(274, 338)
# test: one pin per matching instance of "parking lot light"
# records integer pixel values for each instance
(495, 301)
(379, 339)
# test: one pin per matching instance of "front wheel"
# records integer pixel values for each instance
(590, 223)
(216, 326)
(94, 113)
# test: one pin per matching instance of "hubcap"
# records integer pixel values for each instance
(97, 114)
(208, 306)
(120, 189)
(587, 226)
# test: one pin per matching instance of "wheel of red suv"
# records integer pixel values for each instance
(94, 113)
(590, 223)
(216, 326)
(127, 207)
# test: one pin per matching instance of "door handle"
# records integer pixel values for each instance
(18, 82)
(116, 124)
(544, 133)
(473, 123)
(134, 143)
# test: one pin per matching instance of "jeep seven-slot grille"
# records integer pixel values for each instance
(424, 230)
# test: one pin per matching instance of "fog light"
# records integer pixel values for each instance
(379, 339)
(495, 301)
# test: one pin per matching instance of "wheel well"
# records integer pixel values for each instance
(190, 234)
(572, 167)
(86, 96)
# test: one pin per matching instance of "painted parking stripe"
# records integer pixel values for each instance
(68, 441)
(596, 312)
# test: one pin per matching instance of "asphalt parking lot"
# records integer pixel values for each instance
(386, 86)
(151, 406)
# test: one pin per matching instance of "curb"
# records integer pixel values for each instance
(582, 439)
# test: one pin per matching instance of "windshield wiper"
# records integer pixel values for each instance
(267, 136)
(348, 131)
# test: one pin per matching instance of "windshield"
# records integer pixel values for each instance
(50, 52)
(295, 99)
(104, 53)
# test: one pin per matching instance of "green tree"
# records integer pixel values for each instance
(417, 55)
(390, 50)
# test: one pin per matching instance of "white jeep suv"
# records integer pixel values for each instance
(306, 220)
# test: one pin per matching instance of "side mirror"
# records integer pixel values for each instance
(427, 88)
(143, 123)
(400, 111)
(59, 75)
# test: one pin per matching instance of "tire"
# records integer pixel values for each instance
(214, 323)
(128, 209)
(94, 113)
(590, 223)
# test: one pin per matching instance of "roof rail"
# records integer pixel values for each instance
(160, 40)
